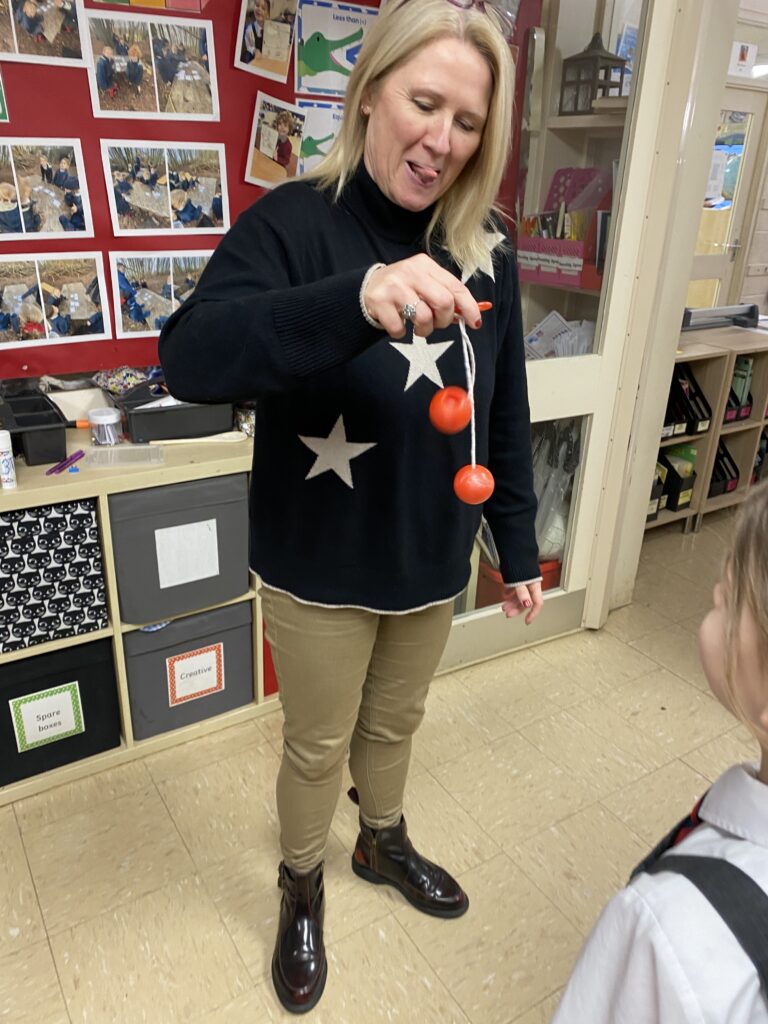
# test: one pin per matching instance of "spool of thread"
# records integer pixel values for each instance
(105, 426)
(7, 465)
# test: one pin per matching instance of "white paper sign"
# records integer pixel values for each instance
(268, 140)
(742, 59)
(187, 553)
(47, 715)
(195, 674)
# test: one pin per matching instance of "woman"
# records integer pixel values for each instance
(356, 532)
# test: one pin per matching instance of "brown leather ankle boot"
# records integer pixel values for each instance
(386, 856)
(299, 967)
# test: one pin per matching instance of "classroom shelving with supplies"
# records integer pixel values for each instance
(184, 465)
(712, 356)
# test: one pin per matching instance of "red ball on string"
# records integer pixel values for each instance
(473, 484)
(450, 410)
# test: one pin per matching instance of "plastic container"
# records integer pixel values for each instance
(37, 427)
(105, 426)
(7, 465)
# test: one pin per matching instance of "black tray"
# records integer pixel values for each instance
(162, 424)
(37, 427)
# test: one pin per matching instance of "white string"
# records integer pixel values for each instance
(469, 373)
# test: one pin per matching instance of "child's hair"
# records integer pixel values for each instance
(134, 51)
(25, 191)
(284, 117)
(746, 584)
(64, 160)
(30, 8)
(178, 199)
(266, 4)
(7, 192)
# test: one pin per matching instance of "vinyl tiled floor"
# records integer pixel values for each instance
(148, 893)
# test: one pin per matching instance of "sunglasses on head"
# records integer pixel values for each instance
(502, 12)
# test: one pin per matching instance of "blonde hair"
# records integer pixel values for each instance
(134, 51)
(7, 192)
(746, 576)
(178, 199)
(30, 8)
(463, 214)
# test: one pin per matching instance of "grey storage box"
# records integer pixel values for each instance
(181, 547)
(191, 669)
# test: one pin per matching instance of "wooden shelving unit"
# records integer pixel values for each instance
(182, 463)
(712, 355)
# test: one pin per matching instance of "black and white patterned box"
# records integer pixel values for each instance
(51, 577)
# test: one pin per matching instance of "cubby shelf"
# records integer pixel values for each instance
(712, 356)
(182, 463)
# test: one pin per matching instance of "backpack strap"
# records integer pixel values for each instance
(672, 838)
(737, 898)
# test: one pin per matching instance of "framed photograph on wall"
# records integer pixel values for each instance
(52, 298)
(264, 40)
(142, 66)
(166, 187)
(42, 32)
(148, 286)
(275, 146)
(43, 191)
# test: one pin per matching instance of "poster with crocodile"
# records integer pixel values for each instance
(323, 121)
(328, 39)
(264, 38)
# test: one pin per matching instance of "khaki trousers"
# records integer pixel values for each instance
(351, 682)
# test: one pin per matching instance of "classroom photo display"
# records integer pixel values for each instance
(275, 146)
(52, 298)
(42, 189)
(148, 286)
(158, 187)
(265, 36)
(42, 31)
(151, 67)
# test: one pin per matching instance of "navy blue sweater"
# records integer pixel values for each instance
(352, 498)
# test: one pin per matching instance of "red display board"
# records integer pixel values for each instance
(49, 101)
(46, 101)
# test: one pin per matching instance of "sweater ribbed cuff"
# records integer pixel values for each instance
(328, 328)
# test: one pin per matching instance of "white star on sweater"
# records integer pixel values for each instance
(422, 359)
(492, 239)
(335, 453)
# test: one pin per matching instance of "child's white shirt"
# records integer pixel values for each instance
(660, 953)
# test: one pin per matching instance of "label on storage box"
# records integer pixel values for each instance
(195, 674)
(47, 716)
(702, 426)
(187, 553)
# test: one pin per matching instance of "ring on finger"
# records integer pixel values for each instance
(409, 311)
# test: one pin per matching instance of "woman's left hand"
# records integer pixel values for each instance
(526, 599)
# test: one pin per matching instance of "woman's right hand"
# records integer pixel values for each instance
(420, 281)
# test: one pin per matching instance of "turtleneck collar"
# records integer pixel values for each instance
(363, 197)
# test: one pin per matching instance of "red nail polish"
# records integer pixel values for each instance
(478, 323)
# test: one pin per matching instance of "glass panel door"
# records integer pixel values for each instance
(725, 201)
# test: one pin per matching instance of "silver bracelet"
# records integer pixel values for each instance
(368, 318)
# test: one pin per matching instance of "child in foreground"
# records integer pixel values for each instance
(661, 953)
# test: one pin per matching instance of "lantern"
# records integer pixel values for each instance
(594, 73)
